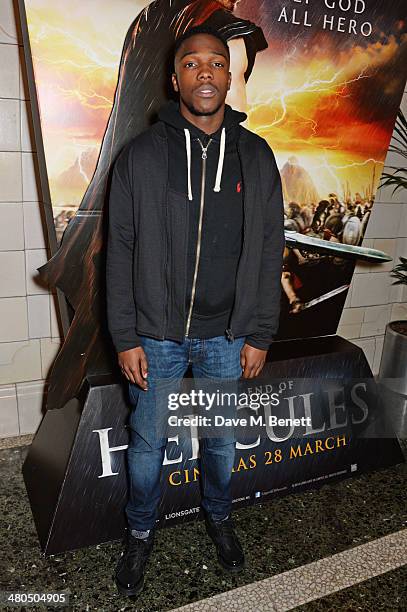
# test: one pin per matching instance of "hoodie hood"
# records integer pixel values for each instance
(227, 133)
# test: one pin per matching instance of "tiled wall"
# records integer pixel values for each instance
(29, 329)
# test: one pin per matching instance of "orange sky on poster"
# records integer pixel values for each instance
(76, 53)
(304, 107)
(307, 109)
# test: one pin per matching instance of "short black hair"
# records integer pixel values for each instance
(200, 30)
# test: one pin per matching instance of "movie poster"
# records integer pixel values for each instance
(322, 82)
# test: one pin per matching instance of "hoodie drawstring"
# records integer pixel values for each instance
(220, 160)
(188, 148)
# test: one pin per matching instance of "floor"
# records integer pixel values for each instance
(337, 548)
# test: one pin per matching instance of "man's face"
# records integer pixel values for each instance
(202, 75)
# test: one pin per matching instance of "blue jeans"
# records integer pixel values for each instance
(210, 358)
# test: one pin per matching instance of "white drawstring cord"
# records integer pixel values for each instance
(188, 149)
(220, 161)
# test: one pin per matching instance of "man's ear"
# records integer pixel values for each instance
(230, 80)
(174, 81)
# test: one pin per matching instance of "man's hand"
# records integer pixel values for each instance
(133, 363)
(252, 361)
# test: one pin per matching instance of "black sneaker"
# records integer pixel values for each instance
(129, 574)
(228, 547)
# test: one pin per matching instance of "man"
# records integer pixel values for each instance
(194, 259)
(143, 86)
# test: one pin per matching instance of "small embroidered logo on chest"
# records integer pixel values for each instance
(239, 187)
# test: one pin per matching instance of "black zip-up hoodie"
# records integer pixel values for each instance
(148, 238)
(220, 239)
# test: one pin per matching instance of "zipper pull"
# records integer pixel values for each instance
(204, 149)
(229, 334)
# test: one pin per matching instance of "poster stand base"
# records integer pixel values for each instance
(75, 469)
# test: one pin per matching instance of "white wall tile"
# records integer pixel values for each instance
(10, 125)
(399, 292)
(30, 398)
(10, 176)
(20, 361)
(396, 294)
(8, 27)
(13, 319)
(349, 295)
(31, 192)
(385, 195)
(12, 273)
(378, 354)
(11, 226)
(49, 350)
(39, 323)
(27, 133)
(9, 425)
(368, 345)
(34, 230)
(375, 320)
(384, 221)
(352, 316)
(401, 248)
(393, 160)
(33, 260)
(398, 312)
(9, 71)
(350, 323)
(371, 289)
(362, 267)
(388, 246)
(349, 331)
(403, 223)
